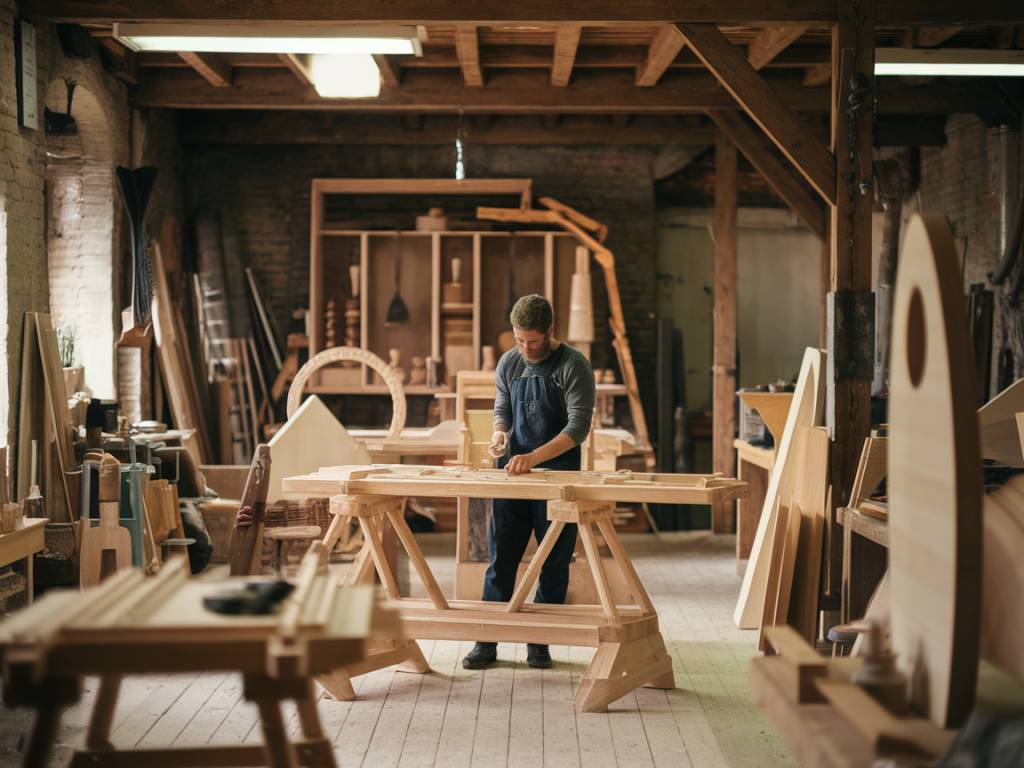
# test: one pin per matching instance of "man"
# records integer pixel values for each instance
(542, 412)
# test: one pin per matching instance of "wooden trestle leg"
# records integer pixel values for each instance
(630, 649)
(372, 511)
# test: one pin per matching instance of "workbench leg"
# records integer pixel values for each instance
(317, 750)
(844, 590)
(43, 736)
(30, 569)
(618, 668)
(280, 753)
(338, 685)
(102, 717)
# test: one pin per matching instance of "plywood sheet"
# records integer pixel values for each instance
(310, 439)
(806, 410)
(934, 479)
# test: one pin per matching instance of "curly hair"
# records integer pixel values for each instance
(532, 313)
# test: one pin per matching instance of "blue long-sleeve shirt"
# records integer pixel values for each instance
(574, 378)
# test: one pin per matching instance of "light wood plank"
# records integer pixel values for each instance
(782, 125)
(664, 48)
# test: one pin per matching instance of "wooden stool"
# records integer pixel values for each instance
(289, 533)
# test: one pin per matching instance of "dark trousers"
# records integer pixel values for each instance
(512, 522)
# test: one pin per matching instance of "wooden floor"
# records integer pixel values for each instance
(509, 715)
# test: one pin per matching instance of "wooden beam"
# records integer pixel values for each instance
(672, 159)
(213, 67)
(781, 123)
(787, 185)
(664, 48)
(390, 74)
(299, 65)
(929, 37)
(850, 339)
(468, 51)
(490, 12)
(723, 369)
(771, 42)
(220, 127)
(817, 74)
(507, 91)
(567, 40)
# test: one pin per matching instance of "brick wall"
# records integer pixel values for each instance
(267, 191)
(961, 181)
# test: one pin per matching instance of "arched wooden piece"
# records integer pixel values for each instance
(364, 356)
(934, 479)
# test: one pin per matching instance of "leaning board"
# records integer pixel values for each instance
(934, 479)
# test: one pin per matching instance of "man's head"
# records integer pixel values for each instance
(532, 324)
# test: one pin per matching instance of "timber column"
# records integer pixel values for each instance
(850, 306)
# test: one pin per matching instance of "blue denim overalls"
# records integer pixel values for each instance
(538, 415)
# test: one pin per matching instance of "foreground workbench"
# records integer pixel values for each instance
(133, 626)
(630, 650)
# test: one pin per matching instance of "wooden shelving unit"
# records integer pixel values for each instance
(543, 262)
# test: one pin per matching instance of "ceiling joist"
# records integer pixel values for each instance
(779, 121)
(567, 40)
(664, 48)
(771, 42)
(467, 49)
(213, 67)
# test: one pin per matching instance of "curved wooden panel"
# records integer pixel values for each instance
(934, 479)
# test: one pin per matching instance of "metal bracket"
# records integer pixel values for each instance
(851, 335)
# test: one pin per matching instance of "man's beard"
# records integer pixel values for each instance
(540, 355)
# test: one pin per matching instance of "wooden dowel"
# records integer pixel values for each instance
(536, 563)
(619, 554)
(419, 562)
(597, 568)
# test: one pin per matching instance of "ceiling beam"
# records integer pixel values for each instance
(674, 158)
(277, 128)
(507, 91)
(929, 37)
(390, 74)
(567, 40)
(751, 141)
(664, 48)
(772, 41)
(299, 65)
(213, 67)
(490, 12)
(468, 50)
(818, 74)
(782, 125)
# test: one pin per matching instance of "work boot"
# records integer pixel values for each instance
(482, 655)
(537, 656)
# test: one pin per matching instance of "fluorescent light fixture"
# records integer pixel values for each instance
(254, 37)
(962, 62)
(337, 76)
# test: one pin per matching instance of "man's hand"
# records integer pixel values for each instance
(499, 445)
(244, 519)
(521, 464)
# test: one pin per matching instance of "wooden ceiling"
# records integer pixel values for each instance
(532, 67)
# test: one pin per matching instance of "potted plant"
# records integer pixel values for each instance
(74, 376)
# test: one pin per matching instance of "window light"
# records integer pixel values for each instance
(263, 38)
(345, 76)
(963, 62)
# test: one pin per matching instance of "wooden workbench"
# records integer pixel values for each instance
(865, 558)
(630, 650)
(22, 544)
(753, 465)
(129, 625)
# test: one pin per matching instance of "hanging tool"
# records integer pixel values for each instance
(136, 187)
(398, 312)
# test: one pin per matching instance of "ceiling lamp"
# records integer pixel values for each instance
(962, 62)
(254, 37)
(345, 76)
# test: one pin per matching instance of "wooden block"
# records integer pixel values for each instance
(803, 664)
(580, 511)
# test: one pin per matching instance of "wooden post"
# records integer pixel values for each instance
(724, 361)
(850, 304)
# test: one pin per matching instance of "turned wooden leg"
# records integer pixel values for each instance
(102, 717)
